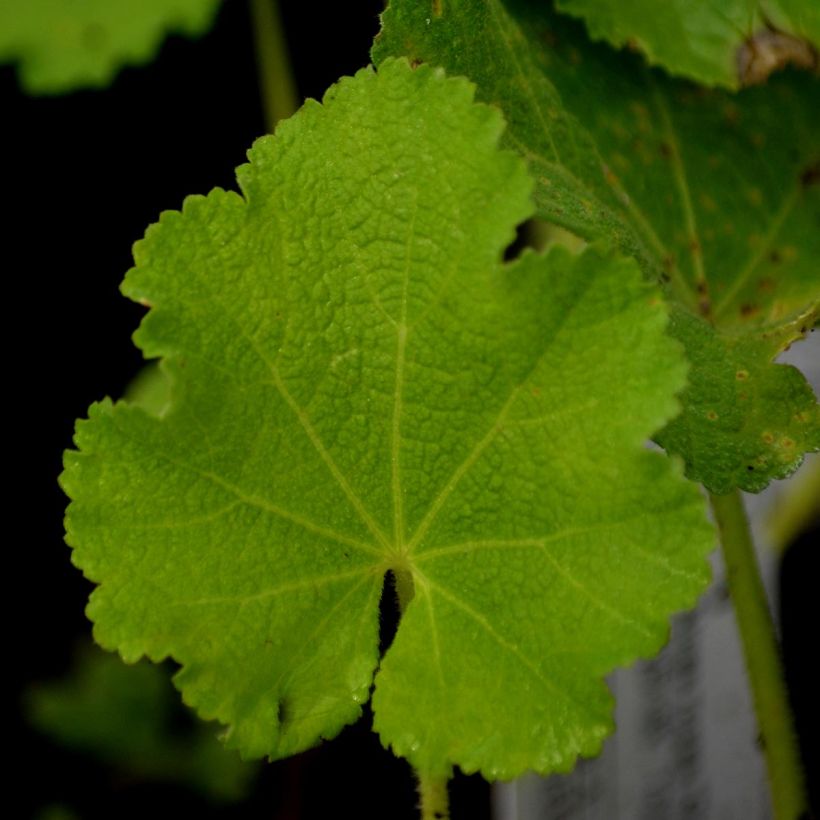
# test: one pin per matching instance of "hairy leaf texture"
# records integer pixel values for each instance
(717, 196)
(360, 384)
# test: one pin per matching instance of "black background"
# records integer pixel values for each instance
(84, 175)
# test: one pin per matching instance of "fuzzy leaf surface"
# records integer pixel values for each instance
(361, 384)
(732, 43)
(63, 45)
(708, 191)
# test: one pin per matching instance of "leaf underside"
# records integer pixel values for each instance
(63, 45)
(715, 195)
(731, 43)
(361, 384)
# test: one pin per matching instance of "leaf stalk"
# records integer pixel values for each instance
(762, 655)
(276, 83)
(435, 801)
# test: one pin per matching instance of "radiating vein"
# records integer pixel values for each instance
(591, 596)
(294, 586)
(757, 255)
(682, 185)
(524, 76)
(328, 460)
(308, 428)
(401, 344)
(509, 647)
(461, 471)
(495, 427)
(265, 505)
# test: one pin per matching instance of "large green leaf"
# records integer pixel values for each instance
(716, 195)
(360, 384)
(62, 45)
(729, 43)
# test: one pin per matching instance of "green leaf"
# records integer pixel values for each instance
(708, 191)
(731, 43)
(361, 385)
(124, 715)
(63, 45)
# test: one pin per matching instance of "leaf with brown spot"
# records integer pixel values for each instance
(733, 43)
(675, 176)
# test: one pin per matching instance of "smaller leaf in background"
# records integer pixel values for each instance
(56, 811)
(127, 717)
(731, 43)
(63, 45)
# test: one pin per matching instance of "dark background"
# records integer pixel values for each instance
(84, 175)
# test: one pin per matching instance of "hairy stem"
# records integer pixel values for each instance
(276, 85)
(762, 656)
(435, 802)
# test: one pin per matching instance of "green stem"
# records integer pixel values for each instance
(762, 659)
(435, 802)
(276, 85)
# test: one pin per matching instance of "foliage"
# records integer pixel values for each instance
(123, 715)
(731, 43)
(360, 385)
(62, 45)
(706, 190)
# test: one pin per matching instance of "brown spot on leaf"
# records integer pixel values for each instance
(711, 415)
(731, 114)
(774, 256)
(770, 50)
(549, 38)
(694, 246)
(810, 175)
(666, 150)
(742, 375)
(748, 310)
(765, 285)
(767, 437)
(438, 8)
